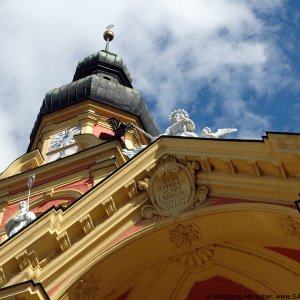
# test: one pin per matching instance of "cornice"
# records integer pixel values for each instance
(44, 172)
(24, 163)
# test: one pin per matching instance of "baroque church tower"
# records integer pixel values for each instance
(186, 218)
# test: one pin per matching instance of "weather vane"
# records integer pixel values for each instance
(30, 183)
(108, 36)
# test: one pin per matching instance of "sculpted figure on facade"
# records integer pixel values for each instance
(207, 133)
(23, 218)
(182, 125)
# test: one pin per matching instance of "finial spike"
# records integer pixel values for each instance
(108, 36)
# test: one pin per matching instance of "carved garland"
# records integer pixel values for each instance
(172, 188)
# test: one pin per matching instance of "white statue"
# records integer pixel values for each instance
(182, 125)
(206, 132)
(23, 218)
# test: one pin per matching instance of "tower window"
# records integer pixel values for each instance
(105, 77)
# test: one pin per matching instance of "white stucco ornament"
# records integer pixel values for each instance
(206, 132)
(23, 218)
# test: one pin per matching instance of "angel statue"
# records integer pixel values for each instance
(23, 218)
(206, 132)
(182, 124)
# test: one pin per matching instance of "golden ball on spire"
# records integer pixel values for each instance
(108, 35)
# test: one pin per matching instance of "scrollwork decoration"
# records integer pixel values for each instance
(143, 185)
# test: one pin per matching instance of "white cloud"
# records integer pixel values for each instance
(172, 49)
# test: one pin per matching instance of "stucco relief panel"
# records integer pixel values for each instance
(172, 188)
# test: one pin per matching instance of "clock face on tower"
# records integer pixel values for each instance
(64, 138)
(63, 144)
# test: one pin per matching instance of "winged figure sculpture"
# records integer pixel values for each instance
(119, 128)
(206, 132)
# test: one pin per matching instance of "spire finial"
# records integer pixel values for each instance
(108, 36)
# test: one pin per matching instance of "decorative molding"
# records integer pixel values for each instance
(2, 277)
(192, 166)
(33, 259)
(253, 168)
(22, 259)
(4, 196)
(51, 194)
(87, 224)
(143, 185)
(279, 171)
(196, 257)
(65, 203)
(109, 206)
(87, 140)
(27, 161)
(48, 194)
(26, 259)
(131, 189)
(151, 169)
(201, 198)
(229, 166)
(89, 288)
(184, 235)
(172, 188)
(291, 226)
(64, 241)
(205, 165)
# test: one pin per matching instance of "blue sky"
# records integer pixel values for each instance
(229, 63)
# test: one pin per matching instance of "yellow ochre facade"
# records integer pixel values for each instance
(186, 218)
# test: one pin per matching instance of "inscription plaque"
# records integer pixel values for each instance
(173, 192)
(172, 188)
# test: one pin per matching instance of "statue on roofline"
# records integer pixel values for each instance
(23, 218)
(207, 133)
(182, 125)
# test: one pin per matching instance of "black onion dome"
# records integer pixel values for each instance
(104, 78)
(104, 63)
